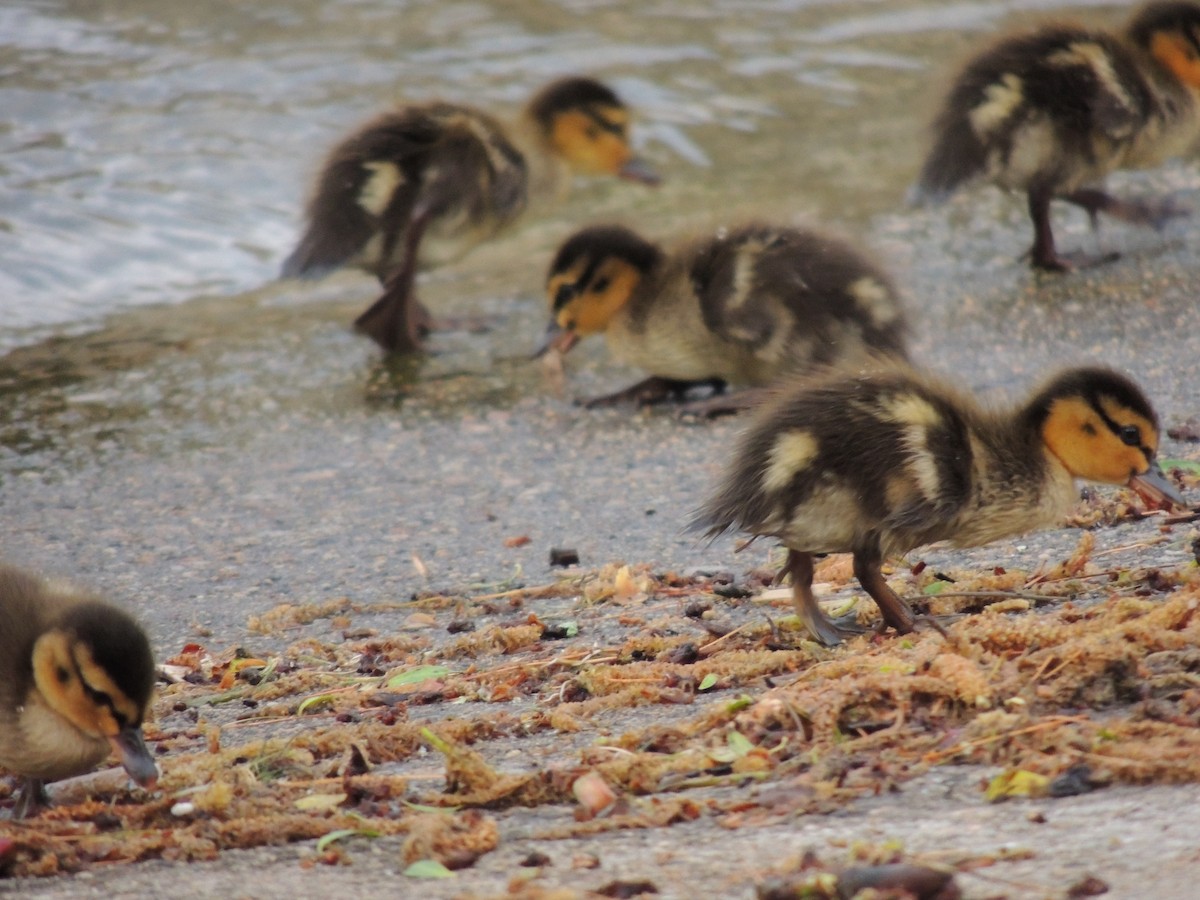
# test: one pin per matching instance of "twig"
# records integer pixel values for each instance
(1022, 595)
(724, 637)
(968, 745)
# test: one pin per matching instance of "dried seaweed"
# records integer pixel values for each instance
(1082, 664)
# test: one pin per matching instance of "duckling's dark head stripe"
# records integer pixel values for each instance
(572, 93)
(1091, 384)
(595, 245)
(1154, 18)
(118, 645)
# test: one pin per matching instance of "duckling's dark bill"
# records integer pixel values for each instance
(556, 338)
(1156, 490)
(131, 750)
(639, 170)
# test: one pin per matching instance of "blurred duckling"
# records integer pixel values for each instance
(744, 305)
(1052, 111)
(879, 463)
(76, 676)
(419, 186)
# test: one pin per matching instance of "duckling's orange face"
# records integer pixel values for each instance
(586, 295)
(595, 140)
(79, 690)
(1179, 51)
(1102, 439)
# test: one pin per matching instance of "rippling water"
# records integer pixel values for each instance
(151, 152)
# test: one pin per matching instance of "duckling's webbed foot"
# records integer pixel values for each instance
(723, 404)
(1154, 213)
(828, 632)
(895, 611)
(651, 391)
(396, 321)
(31, 797)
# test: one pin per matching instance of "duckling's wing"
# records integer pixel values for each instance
(420, 161)
(1036, 102)
(761, 287)
(727, 277)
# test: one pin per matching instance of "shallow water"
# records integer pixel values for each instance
(157, 153)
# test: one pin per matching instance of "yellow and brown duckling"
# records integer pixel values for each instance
(76, 676)
(741, 306)
(880, 463)
(1052, 111)
(421, 185)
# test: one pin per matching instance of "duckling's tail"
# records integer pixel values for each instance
(957, 156)
(316, 256)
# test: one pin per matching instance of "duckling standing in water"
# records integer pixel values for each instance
(419, 186)
(76, 676)
(1053, 111)
(744, 306)
(880, 463)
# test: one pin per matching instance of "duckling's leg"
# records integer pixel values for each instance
(30, 798)
(652, 390)
(395, 321)
(1042, 253)
(800, 567)
(1153, 213)
(895, 612)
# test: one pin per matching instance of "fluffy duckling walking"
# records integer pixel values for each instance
(421, 185)
(1052, 111)
(76, 676)
(880, 463)
(743, 305)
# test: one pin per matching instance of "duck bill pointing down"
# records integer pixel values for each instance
(637, 169)
(130, 749)
(556, 338)
(1156, 490)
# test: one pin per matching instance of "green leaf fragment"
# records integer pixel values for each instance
(707, 682)
(312, 703)
(1016, 783)
(738, 704)
(427, 868)
(739, 743)
(417, 675)
(343, 833)
(1188, 465)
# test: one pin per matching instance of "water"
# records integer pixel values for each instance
(156, 153)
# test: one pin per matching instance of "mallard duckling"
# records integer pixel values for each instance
(879, 463)
(75, 681)
(743, 305)
(419, 186)
(1052, 111)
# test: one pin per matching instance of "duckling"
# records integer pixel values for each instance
(1052, 111)
(883, 461)
(75, 680)
(742, 305)
(419, 186)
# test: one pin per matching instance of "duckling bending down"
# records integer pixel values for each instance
(880, 463)
(1053, 111)
(419, 186)
(76, 676)
(744, 305)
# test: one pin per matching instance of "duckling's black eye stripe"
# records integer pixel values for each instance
(565, 294)
(1116, 429)
(1109, 423)
(603, 123)
(102, 699)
